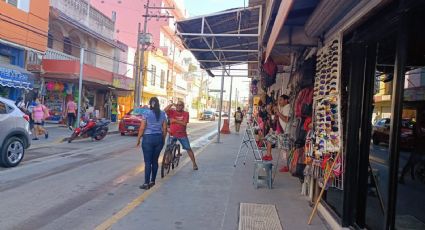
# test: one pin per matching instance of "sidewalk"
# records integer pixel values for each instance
(210, 198)
(58, 133)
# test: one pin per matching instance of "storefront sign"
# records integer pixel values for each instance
(122, 82)
(15, 79)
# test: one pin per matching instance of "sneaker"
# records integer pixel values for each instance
(35, 139)
(144, 186)
(284, 169)
(195, 167)
(151, 184)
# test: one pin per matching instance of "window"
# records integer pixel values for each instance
(162, 79)
(50, 40)
(67, 48)
(153, 74)
(3, 109)
(20, 4)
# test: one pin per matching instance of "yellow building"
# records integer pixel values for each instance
(155, 77)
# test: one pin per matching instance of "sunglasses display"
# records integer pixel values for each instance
(326, 137)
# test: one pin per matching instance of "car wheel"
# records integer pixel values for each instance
(12, 152)
(375, 140)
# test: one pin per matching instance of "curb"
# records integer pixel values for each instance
(67, 138)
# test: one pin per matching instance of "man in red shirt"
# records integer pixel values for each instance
(178, 122)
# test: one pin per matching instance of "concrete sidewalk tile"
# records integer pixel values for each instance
(210, 198)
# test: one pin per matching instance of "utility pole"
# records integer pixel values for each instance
(137, 72)
(143, 38)
(80, 85)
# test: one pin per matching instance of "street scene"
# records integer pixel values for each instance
(212, 114)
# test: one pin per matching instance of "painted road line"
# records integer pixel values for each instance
(107, 224)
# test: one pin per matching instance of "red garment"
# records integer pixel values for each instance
(305, 97)
(178, 130)
(307, 123)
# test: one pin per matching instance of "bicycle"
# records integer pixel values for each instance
(171, 156)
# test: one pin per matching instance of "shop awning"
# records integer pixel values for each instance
(15, 76)
(224, 38)
(285, 33)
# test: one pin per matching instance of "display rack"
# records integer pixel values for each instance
(327, 119)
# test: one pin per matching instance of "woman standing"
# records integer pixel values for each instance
(153, 129)
(39, 114)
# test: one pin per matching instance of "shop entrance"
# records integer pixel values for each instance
(387, 94)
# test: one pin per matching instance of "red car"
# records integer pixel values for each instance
(130, 123)
(381, 133)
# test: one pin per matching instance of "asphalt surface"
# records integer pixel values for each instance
(76, 185)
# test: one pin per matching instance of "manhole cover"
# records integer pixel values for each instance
(258, 217)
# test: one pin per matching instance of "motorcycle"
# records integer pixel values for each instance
(96, 129)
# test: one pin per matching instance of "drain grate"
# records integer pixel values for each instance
(258, 217)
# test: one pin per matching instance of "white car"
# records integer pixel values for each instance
(14, 135)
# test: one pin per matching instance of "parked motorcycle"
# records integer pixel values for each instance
(96, 129)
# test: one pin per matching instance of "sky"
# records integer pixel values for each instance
(202, 7)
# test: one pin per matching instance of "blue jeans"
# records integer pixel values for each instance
(151, 145)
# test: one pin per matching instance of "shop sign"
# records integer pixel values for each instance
(14, 78)
(122, 82)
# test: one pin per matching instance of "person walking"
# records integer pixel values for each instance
(71, 111)
(153, 129)
(39, 114)
(178, 125)
(238, 119)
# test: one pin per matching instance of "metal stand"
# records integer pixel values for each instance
(249, 143)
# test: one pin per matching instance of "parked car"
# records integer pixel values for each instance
(381, 132)
(14, 135)
(223, 114)
(130, 123)
(208, 115)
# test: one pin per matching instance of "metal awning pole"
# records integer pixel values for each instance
(221, 104)
(80, 86)
(230, 97)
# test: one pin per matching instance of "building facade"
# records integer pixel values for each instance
(74, 25)
(23, 40)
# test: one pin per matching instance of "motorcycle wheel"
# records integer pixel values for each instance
(101, 135)
(73, 136)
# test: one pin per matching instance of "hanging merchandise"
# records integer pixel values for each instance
(254, 88)
(327, 131)
(268, 73)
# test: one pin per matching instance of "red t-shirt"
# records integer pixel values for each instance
(178, 130)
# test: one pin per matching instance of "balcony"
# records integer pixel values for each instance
(82, 12)
(52, 54)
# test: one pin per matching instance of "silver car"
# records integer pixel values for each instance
(14, 134)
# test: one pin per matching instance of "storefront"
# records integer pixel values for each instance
(14, 79)
(368, 118)
(378, 183)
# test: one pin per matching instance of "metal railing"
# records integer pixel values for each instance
(57, 55)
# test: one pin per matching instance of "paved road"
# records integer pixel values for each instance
(74, 186)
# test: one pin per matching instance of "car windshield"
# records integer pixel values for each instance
(208, 112)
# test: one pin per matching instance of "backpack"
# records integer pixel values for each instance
(238, 116)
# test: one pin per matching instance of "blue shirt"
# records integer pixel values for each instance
(154, 126)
